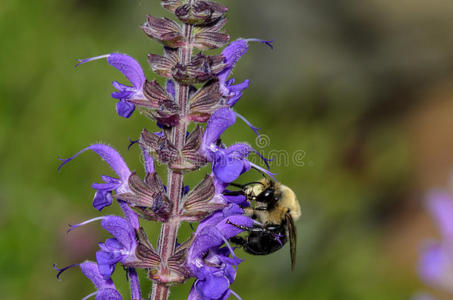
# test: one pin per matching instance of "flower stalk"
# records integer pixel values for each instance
(169, 230)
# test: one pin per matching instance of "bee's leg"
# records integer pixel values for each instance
(245, 228)
(233, 193)
(261, 208)
(256, 228)
(236, 185)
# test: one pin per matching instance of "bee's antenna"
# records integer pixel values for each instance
(255, 182)
(259, 171)
(237, 185)
(264, 172)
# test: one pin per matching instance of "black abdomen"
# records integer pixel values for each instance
(265, 242)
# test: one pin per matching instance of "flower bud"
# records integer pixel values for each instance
(200, 12)
(200, 69)
(172, 5)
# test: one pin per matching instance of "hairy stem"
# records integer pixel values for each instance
(169, 230)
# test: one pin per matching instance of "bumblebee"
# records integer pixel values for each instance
(275, 210)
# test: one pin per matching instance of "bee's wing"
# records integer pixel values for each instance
(292, 239)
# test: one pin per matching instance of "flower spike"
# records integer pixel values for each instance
(196, 88)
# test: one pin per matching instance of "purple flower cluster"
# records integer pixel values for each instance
(436, 261)
(198, 89)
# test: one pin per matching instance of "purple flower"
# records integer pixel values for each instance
(120, 249)
(220, 197)
(232, 53)
(103, 195)
(106, 288)
(133, 72)
(436, 261)
(227, 163)
(208, 261)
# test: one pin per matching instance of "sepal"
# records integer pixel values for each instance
(176, 271)
(210, 40)
(155, 95)
(163, 65)
(155, 92)
(148, 196)
(210, 37)
(205, 102)
(196, 205)
(159, 105)
(167, 31)
(147, 256)
(159, 146)
(188, 159)
(191, 151)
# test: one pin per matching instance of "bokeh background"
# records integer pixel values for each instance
(363, 89)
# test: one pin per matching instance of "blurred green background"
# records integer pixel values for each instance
(361, 91)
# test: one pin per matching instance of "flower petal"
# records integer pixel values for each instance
(171, 88)
(90, 270)
(108, 294)
(107, 262)
(109, 155)
(102, 198)
(220, 120)
(124, 108)
(232, 53)
(125, 64)
(134, 284)
(129, 67)
(239, 150)
(214, 287)
(207, 238)
(229, 230)
(228, 169)
(121, 229)
(148, 160)
(124, 91)
(130, 215)
(234, 92)
(217, 217)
